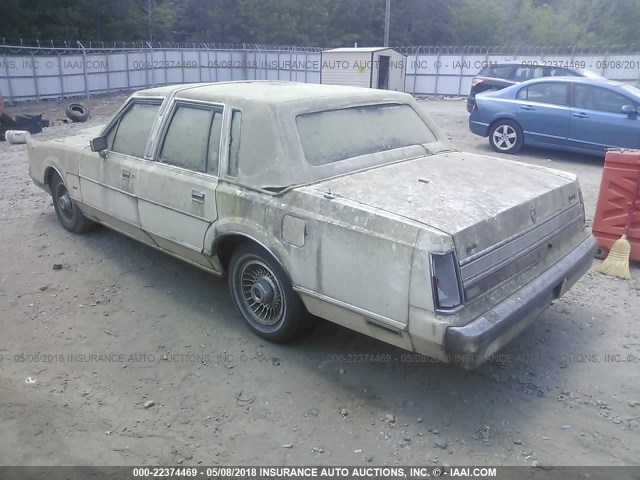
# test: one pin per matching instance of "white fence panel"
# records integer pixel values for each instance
(451, 74)
(30, 73)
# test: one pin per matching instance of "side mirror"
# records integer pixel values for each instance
(630, 111)
(98, 144)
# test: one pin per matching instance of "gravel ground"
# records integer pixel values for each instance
(176, 377)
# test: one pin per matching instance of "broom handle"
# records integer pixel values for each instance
(632, 207)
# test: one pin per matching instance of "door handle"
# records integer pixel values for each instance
(527, 107)
(125, 175)
(197, 196)
(580, 115)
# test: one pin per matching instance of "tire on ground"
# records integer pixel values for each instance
(77, 112)
(601, 253)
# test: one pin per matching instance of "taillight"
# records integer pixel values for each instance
(476, 81)
(447, 291)
(475, 106)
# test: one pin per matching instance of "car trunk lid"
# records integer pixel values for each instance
(483, 202)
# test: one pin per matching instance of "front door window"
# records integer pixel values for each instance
(130, 135)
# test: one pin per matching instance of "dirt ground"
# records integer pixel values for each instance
(127, 356)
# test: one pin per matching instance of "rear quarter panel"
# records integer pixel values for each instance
(490, 108)
(349, 263)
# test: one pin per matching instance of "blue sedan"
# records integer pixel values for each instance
(565, 113)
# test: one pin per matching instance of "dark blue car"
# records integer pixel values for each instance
(565, 113)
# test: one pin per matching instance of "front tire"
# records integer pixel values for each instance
(264, 296)
(67, 211)
(506, 136)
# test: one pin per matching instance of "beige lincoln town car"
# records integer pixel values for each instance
(334, 202)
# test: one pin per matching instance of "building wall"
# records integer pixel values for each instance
(346, 68)
(397, 67)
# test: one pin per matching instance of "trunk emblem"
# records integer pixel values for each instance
(533, 214)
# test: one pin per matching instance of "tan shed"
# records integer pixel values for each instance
(373, 67)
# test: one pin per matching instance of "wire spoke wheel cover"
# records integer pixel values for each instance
(261, 293)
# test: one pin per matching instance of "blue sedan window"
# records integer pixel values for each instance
(553, 93)
(601, 99)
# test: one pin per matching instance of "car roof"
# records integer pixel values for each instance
(503, 64)
(269, 92)
(581, 80)
(522, 63)
(357, 49)
(269, 132)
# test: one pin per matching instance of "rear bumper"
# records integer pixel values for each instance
(471, 345)
(470, 99)
(478, 128)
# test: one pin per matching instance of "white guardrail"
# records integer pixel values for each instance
(34, 73)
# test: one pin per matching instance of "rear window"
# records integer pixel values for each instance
(498, 71)
(563, 72)
(335, 135)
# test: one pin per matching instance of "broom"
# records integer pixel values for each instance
(617, 262)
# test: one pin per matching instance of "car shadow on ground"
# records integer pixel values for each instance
(542, 154)
(469, 406)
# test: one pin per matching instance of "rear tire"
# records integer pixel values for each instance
(506, 136)
(263, 294)
(68, 212)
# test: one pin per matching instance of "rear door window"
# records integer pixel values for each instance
(213, 155)
(234, 143)
(524, 73)
(538, 72)
(552, 93)
(192, 139)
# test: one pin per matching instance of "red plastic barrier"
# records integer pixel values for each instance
(621, 171)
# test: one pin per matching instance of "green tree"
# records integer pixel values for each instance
(326, 23)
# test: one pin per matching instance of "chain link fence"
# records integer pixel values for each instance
(449, 70)
(40, 70)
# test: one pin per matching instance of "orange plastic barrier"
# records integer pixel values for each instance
(619, 180)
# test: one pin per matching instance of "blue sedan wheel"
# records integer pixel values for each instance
(506, 136)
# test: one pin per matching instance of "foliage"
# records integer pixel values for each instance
(326, 23)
